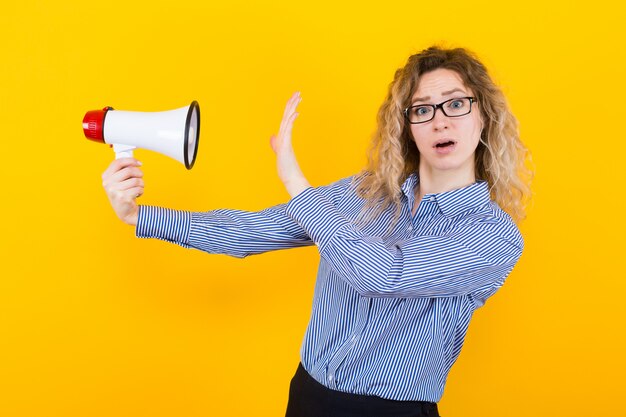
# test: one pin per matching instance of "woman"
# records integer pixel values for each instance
(409, 248)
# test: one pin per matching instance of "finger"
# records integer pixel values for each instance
(293, 100)
(122, 175)
(119, 164)
(129, 184)
(291, 106)
(128, 172)
(126, 196)
(284, 122)
(289, 128)
(136, 192)
(273, 142)
(287, 120)
(287, 123)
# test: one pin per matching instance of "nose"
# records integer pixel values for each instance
(440, 120)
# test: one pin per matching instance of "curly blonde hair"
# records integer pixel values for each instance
(501, 158)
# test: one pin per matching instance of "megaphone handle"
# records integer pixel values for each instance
(123, 151)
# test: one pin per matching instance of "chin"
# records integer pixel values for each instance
(449, 164)
(446, 165)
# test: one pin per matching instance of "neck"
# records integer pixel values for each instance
(432, 181)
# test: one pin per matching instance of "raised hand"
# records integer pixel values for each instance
(287, 165)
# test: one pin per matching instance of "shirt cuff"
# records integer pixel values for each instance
(316, 215)
(162, 223)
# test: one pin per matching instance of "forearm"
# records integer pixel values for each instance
(457, 262)
(230, 232)
(296, 185)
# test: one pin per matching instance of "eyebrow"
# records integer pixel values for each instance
(445, 93)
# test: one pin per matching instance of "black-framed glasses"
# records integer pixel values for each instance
(455, 107)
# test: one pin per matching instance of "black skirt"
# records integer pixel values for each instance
(309, 398)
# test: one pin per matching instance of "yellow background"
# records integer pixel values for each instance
(95, 322)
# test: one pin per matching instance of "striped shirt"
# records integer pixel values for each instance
(391, 307)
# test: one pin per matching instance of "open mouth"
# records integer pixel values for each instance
(445, 144)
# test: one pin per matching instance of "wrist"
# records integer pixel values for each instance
(296, 186)
(132, 218)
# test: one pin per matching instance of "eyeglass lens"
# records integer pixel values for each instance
(451, 108)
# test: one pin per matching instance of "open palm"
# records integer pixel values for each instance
(287, 165)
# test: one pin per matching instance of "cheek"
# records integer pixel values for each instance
(473, 129)
(478, 122)
(418, 134)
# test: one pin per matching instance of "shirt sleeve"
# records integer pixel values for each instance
(236, 233)
(470, 258)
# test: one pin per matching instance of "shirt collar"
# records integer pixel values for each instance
(408, 187)
(452, 202)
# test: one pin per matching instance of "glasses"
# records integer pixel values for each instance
(454, 107)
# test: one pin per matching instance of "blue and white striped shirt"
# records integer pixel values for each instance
(390, 309)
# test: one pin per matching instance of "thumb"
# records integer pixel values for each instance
(273, 142)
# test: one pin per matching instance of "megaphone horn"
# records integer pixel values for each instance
(174, 133)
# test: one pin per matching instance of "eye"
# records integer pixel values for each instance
(422, 110)
(457, 104)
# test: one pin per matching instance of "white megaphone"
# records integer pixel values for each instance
(174, 133)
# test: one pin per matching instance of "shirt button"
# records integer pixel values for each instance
(432, 199)
(410, 227)
(330, 378)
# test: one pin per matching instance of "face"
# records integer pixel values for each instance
(446, 144)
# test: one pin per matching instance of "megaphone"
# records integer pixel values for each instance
(174, 133)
